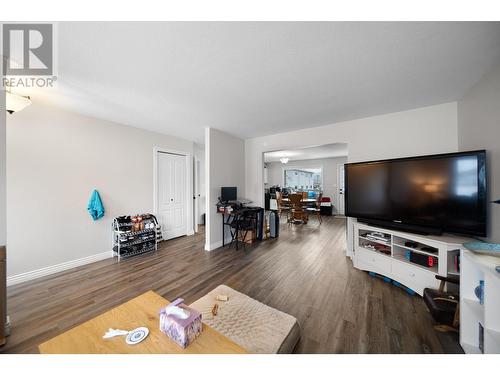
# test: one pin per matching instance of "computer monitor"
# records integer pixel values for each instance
(228, 193)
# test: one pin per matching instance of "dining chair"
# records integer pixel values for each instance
(297, 211)
(282, 206)
(316, 209)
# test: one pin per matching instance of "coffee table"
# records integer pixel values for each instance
(141, 311)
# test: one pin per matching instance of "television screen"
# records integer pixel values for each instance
(444, 193)
(228, 194)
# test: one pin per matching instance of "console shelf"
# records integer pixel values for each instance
(403, 259)
(375, 241)
(417, 250)
(479, 318)
(394, 259)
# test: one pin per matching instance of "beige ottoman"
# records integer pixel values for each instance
(254, 326)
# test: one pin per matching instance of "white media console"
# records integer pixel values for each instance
(389, 258)
(479, 317)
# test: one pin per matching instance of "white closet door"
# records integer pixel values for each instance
(172, 199)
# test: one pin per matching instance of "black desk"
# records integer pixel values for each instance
(228, 218)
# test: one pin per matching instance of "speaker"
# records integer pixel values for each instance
(260, 224)
(274, 224)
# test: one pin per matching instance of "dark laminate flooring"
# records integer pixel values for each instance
(304, 272)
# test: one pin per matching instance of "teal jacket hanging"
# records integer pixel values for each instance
(95, 207)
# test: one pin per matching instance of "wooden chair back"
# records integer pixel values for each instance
(318, 200)
(279, 198)
(296, 201)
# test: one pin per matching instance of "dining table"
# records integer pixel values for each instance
(307, 200)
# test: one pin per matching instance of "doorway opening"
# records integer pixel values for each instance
(313, 171)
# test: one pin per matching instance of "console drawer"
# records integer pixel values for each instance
(413, 277)
(371, 261)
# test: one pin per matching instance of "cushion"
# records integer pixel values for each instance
(254, 326)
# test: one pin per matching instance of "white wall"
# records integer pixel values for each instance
(3, 214)
(330, 173)
(54, 160)
(225, 161)
(479, 128)
(420, 131)
(199, 153)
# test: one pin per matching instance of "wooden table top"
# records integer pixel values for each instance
(141, 311)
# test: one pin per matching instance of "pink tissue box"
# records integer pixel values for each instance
(182, 331)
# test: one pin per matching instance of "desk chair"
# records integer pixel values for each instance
(241, 226)
(443, 306)
(316, 209)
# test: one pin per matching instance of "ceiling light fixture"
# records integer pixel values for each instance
(284, 160)
(16, 103)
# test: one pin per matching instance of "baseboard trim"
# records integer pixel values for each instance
(213, 246)
(35, 274)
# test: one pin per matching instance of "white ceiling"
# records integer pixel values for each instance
(334, 150)
(257, 78)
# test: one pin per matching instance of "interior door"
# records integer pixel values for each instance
(172, 198)
(340, 195)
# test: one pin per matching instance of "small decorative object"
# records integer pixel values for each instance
(479, 292)
(484, 248)
(215, 309)
(222, 297)
(137, 335)
(114, 332)
(133, 337)
(182, 323)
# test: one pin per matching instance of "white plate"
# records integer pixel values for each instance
(137, 335)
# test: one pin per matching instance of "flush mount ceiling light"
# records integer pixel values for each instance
(284, 160)
(16, 103)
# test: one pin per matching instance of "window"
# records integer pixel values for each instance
(300, 179)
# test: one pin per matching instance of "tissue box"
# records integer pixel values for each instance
(182, 331)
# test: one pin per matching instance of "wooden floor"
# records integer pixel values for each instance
(304, 272)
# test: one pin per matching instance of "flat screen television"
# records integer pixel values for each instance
(428, 194)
